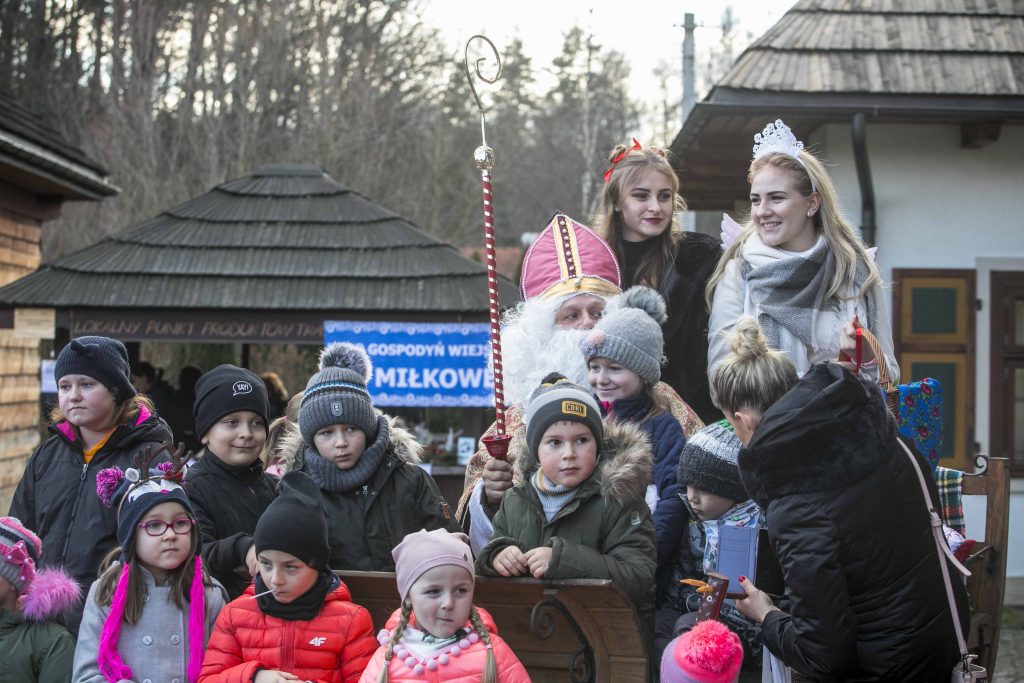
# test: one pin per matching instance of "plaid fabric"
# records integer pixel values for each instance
(950, 485)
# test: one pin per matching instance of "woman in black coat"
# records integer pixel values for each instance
(846, 518)
(637, 216)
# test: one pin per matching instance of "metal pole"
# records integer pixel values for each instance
(483, 156)
(689, 71)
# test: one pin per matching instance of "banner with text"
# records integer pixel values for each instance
(422, 364)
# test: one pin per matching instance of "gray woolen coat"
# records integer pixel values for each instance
(156, 648)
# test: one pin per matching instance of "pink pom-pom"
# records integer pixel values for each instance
(456, 650)
(710, 646)
(595, 337)
(401, 652)
(383, 636)
(432, 664)
(464, 644)
(418, 669)
(107, 482)
(410, 662)
(444, 659)
(51, 594)
(473, 637)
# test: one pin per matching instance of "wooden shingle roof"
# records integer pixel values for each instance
(944, 61)
(287, 237)
(36, 156)
(901, 47)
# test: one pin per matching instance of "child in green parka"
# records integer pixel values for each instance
(580, 511)
(34, 646)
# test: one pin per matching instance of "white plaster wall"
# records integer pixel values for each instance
(941, 206)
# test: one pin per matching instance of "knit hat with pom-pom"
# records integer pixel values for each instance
(707, 653)
(631, 334)
(337, 394)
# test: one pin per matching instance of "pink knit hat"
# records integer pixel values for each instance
(43, 594)
(707, 653)
(569, 258)
(423, 550)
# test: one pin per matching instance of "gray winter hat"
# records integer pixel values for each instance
(337, 394)
(709, 462)
(631, 334)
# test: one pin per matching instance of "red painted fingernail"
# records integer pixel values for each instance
(742, 579)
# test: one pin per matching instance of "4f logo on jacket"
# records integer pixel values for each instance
(318, 641)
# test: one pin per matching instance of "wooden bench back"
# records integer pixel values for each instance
(548, 624)
(987, 561)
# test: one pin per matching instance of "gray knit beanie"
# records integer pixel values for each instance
(337, 394)
(631, 334)
(709, 462)
(557, 400)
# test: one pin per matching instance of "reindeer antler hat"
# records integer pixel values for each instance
(142, 487)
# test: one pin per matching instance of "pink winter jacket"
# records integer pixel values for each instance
(466, 668)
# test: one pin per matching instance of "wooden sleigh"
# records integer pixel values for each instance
(581, 630)
(987, 560)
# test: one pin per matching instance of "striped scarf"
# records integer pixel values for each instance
(553, 497)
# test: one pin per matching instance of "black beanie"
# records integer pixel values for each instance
(556, 400)
(226, 389)
(295, 522)
(102, 358)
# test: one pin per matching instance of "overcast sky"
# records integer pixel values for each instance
(648, 32)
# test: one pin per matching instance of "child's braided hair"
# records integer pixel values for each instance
(396, 635)
(490, 674)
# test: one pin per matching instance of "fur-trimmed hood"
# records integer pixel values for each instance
(624, 464)
(829, 430)
(403, 444)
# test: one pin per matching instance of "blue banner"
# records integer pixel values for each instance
(422, 364)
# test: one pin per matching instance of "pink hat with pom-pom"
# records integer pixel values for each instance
(707, 653)
(20, 550)
(568, 258)
(44, 594)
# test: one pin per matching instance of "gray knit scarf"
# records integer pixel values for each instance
(329, 477)
(553, 497)
(790, 293)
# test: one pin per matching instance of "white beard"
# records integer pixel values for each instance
(532, 347)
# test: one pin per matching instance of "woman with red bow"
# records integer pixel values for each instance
(638, 216)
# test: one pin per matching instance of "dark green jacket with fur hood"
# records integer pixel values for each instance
(400, 498)
(604, 532)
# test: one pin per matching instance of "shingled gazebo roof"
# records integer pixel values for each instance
(286, 238)
(949, 61)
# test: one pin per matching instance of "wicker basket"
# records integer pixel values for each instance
(892, 392)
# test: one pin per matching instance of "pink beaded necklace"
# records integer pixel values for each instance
(430, 662)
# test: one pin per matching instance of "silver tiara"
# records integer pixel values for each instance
(777, 137)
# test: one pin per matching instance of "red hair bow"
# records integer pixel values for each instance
(619, 157)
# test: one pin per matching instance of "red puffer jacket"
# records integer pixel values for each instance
(333, 647)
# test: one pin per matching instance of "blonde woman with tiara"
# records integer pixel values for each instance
(797, 266)
(638, 216)
(822, 459)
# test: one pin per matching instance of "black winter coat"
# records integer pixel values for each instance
(686, 330)
(228, 501)
(57, 499)
(849, 524)
(400, 498)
